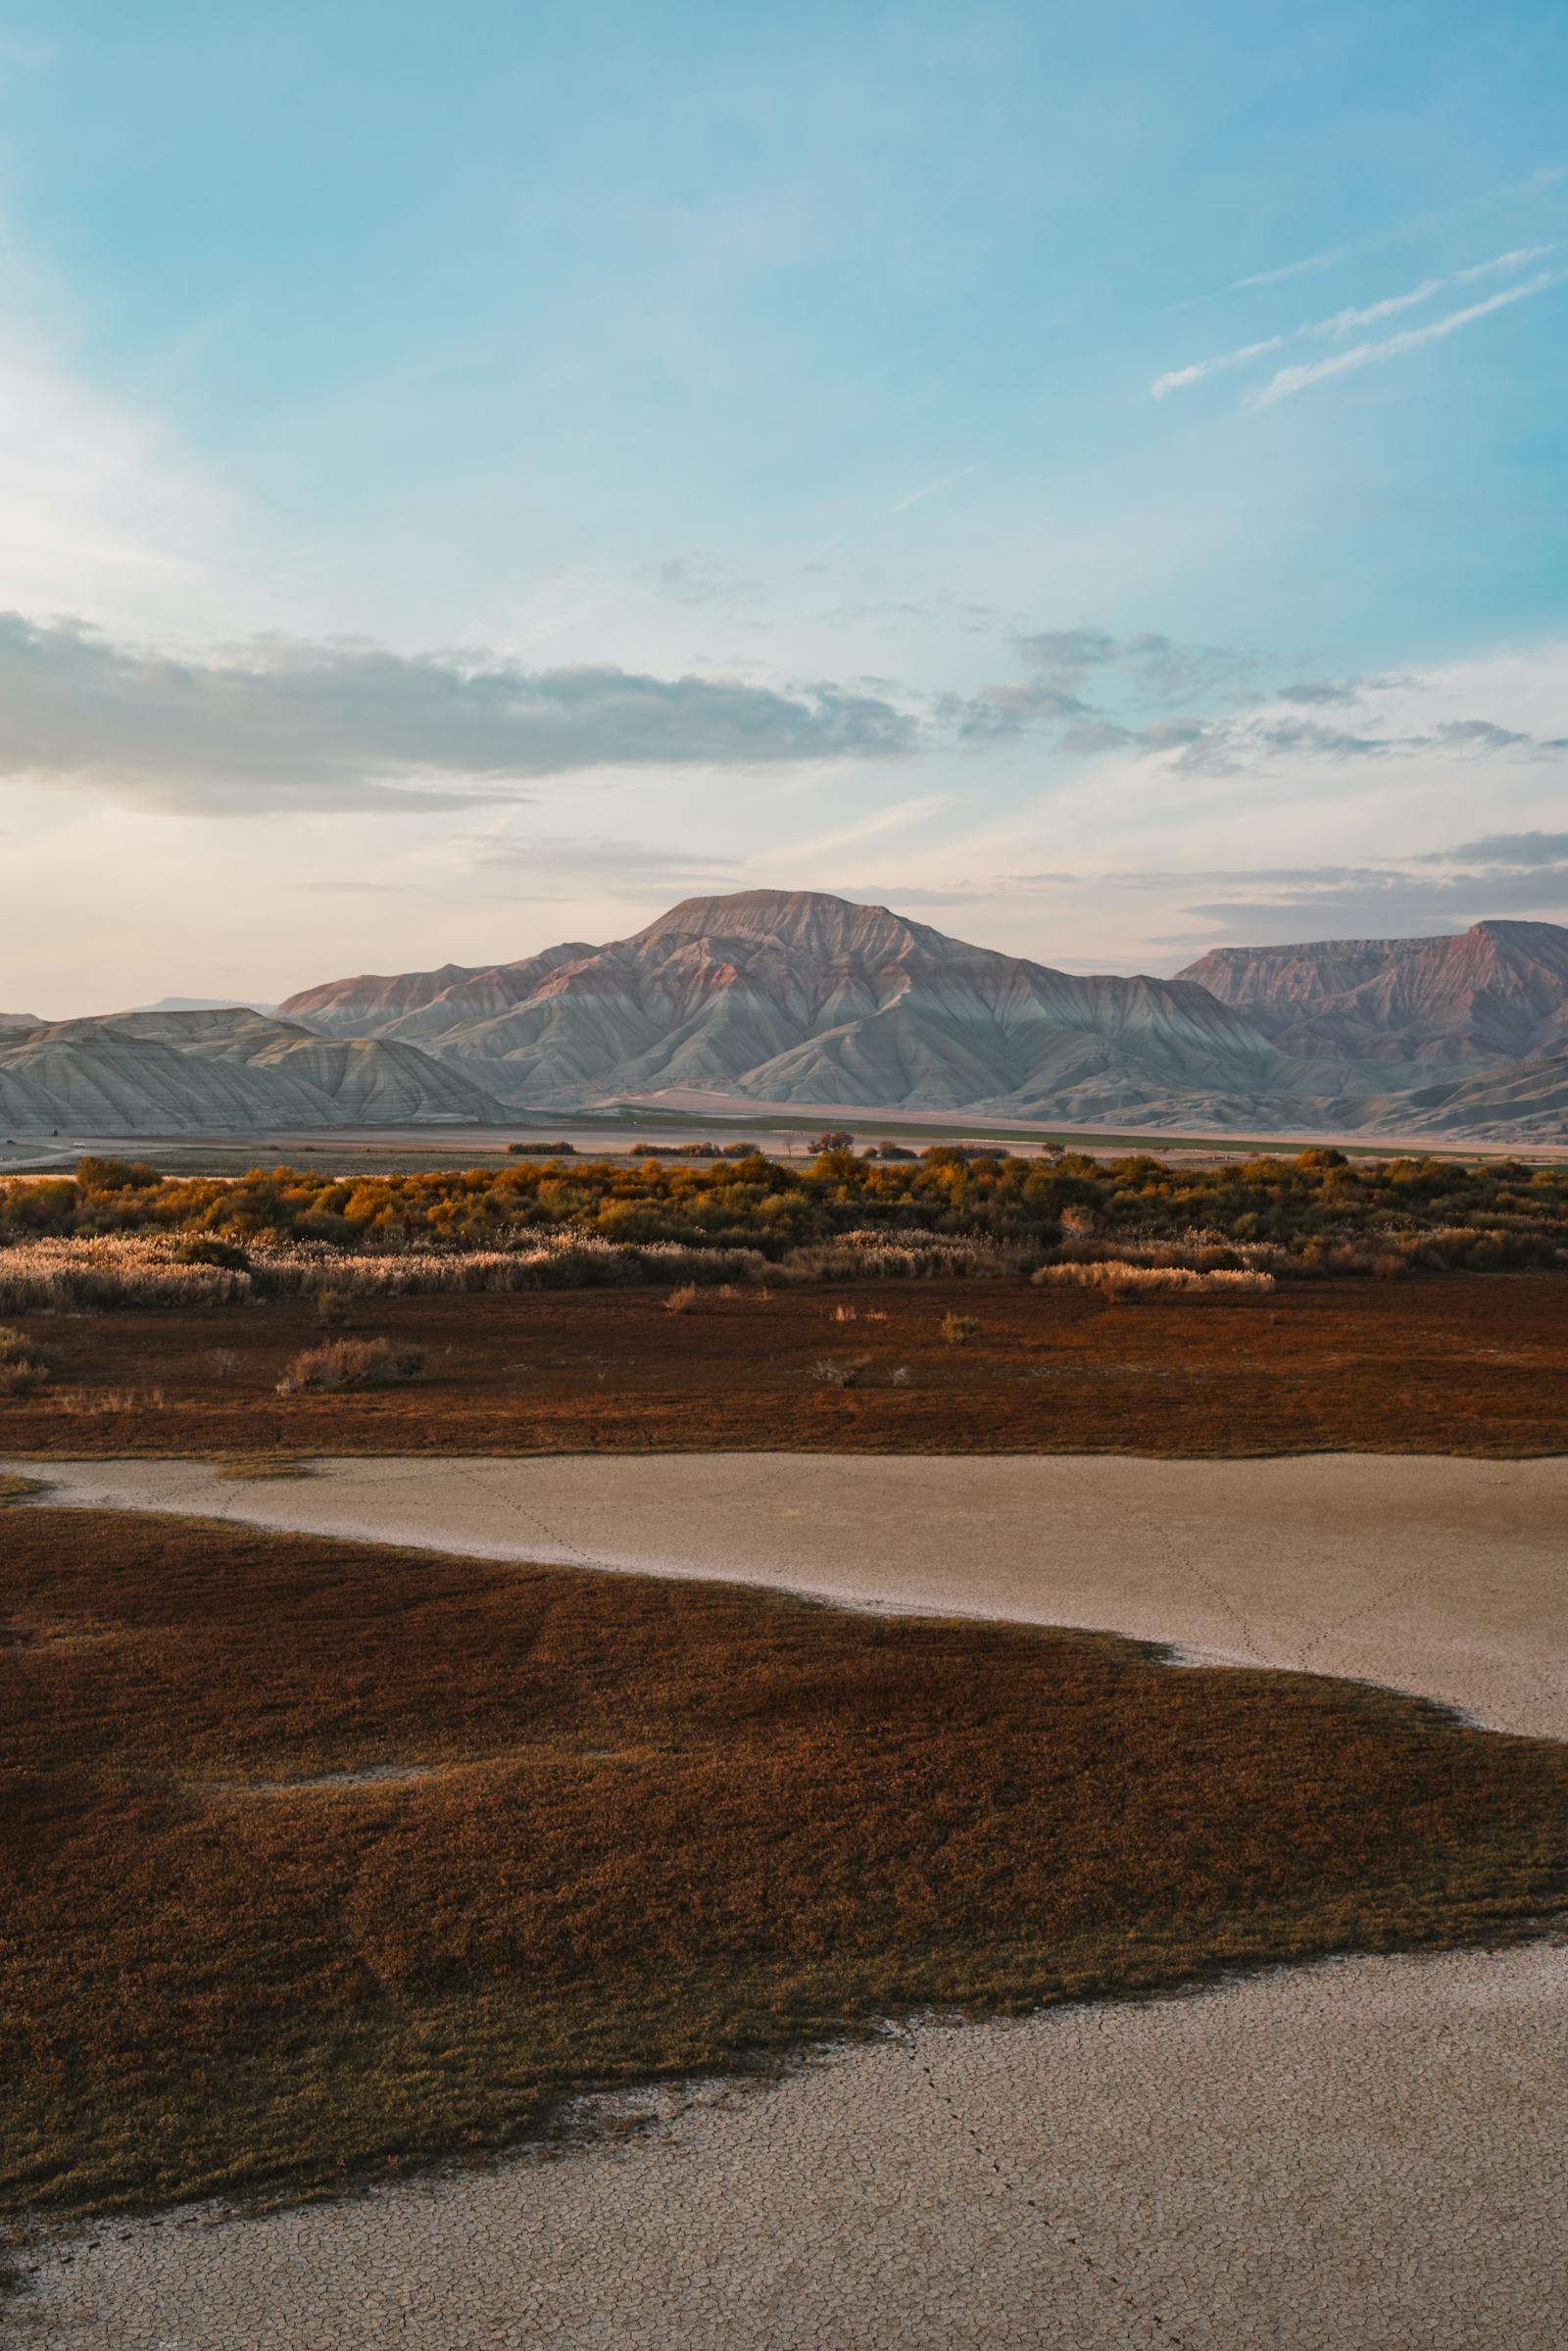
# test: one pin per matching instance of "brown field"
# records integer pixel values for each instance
(327, 1859)
(1455, 1363)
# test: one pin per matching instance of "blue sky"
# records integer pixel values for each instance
(472, 476)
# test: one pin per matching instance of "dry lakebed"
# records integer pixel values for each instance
(1365, 2152)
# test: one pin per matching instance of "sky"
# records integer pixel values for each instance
(471, 476)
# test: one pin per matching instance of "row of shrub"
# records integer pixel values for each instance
(535, 1223)
(1117, 1276)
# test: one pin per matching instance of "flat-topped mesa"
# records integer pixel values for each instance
(1498, 989)
(810, 920)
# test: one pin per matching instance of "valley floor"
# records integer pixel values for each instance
(1455, 1363)
(1440, 1577)
(1352, 2156)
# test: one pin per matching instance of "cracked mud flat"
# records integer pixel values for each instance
(1443, 1576)
(1362, 2156)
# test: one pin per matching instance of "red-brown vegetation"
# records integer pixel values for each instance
(1460, 1364)
(324, 1859)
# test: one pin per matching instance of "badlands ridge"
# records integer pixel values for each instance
(770, 998)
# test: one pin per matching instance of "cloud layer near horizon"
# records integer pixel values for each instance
(344, 724)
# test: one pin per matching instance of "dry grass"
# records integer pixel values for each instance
(1462, 1365)
(681, 1301)
(125, 1270)
(16, 1488)
(251, 1468)
(1115, 1274)
(352, 1363)
(22, 1368)
(661, 1826)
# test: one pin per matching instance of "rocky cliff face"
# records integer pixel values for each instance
(1497, 992)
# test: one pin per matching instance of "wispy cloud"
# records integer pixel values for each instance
(1288, 381)
(1306, 268)
(694, 579)
(943, 482)
(893, 818)
(1347, 321)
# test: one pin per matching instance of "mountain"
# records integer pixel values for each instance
(773, 996)
(801, 998)
(1502, 1101)
(1497, 992)
(169, 1072)
(204, 1004)
(364, 1006)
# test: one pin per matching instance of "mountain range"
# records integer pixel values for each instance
(796, 998)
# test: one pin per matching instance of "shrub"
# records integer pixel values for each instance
(22, 1368)
(1115, 1275)
(352, 1363)
(206, 1249)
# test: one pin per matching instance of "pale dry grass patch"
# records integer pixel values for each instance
(1115, 1276)
(352, 1363)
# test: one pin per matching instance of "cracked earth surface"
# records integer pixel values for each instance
(1361, 2156)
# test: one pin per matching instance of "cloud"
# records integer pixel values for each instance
(1520, 851)
(1312, 693)
(1066, 651)
(1382, 904)
(943, 482)
(899, 894)
(1157, 668)
(1312, 262)
(690, 579)
(1478, 734)
(1288, 381)
(1307, 735)
(348, 724)
(996, 713)
(1229, 745)
(1180, 379)
(624, 861)
(1145, 669)
(1346, 321)
(1506, 875)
